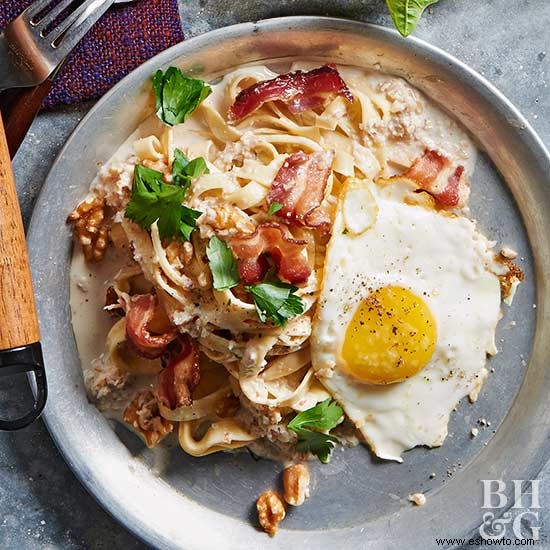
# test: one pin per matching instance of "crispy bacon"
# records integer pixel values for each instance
(300, 187)
(437, 175)
(140, 311)
(181, 375)
(450, 196)
(277, 241)
(300, 91)
(253, 270)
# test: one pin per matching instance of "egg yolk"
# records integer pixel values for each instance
(391, 336)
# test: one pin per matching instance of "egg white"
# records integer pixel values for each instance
(379, 239)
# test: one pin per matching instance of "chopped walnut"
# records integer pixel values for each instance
(90, 229)
(271, 511)
(296, 484)
(143, 415)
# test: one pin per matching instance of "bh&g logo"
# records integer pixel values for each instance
(522, 518)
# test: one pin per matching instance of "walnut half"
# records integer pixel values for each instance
(271, 511)
(90, 229)
(296, 484)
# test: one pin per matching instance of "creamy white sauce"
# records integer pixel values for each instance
(89, 283)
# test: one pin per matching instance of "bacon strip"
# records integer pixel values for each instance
(450, 196)
(277, 241)
(300, 91)
(140, 311)
(181, 376)
(300, 187)
(436, 174)
(253, 270)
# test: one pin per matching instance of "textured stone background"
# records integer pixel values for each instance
(42, 505)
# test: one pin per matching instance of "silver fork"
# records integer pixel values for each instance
(30, 51)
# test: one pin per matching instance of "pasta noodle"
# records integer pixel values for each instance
(220, 436)
(149, 148)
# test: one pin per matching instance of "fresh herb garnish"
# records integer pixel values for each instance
(177, 95)
(154, 200)
(276, 300)
(406, 13)
(274, 207)
(223, 264)
(184, 170)
(309, 425)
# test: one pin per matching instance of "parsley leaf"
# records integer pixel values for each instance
(406, 13)
(324, 416)
(309, 425)
(223, 264)
(274, 207)
(316, 443)
(184, 170)
(177, 96)
(153, 200)
(276, 300)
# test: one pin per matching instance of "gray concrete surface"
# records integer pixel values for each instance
(42, 505)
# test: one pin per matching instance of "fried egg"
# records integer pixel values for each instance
(406, 315)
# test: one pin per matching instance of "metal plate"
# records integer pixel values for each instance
(208, 502)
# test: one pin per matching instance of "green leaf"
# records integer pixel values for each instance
(316, 443)
(187, 222)
(309, 425)
(153, 200)
(406, 13)
(223, 264)
(276, 301)
(324, 416)
(196, 168)
(274, 207)
(183, 170)
(291, 307)
(177, 96)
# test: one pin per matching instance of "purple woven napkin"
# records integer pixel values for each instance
(125, 37)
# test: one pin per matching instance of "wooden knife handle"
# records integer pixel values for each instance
(18, 319)
(19, 107)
